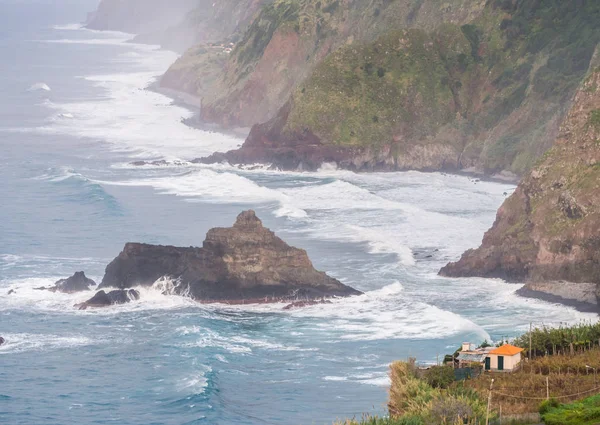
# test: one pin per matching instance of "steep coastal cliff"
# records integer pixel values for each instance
(549, 229)
(487, 95)
(289, 38)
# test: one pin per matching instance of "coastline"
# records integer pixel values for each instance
(577, 295)
(194, 104)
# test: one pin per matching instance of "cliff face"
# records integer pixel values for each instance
(549, 229)
(290, 37)
(244, 263)
(176, 24)
(211, 22)
(483, 90)
(139, 16)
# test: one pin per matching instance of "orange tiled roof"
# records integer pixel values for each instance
(507, 350)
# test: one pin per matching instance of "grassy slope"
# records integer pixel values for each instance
(502, 82)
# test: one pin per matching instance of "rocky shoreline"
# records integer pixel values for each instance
(581, 296)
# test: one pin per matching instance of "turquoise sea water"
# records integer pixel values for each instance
(73, 115)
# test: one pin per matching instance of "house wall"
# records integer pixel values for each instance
(510, 362)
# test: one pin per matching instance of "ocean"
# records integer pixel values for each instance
(74, 114)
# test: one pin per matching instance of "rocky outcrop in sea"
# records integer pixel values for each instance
(245, 263)
(76, 283)
(105, 299)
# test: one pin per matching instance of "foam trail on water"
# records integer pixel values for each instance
(22, 342)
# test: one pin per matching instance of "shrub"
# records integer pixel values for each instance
(440, 376)
(546, 405)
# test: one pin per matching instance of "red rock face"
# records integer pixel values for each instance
(549, 229)
(243, 263)
(281, 66)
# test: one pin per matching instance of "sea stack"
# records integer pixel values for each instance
(245, 263)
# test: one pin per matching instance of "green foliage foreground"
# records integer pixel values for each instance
(584, 412)
(414, 400)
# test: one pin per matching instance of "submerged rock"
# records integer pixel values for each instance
(2, 340)
(240, 264)
(103, 299)
(308, 303)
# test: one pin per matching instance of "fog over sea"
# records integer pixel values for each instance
(74, 113)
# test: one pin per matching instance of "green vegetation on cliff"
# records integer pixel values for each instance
(405, 86)
(288, 38)
(256, 39)
(495, 89)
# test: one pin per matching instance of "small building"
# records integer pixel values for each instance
(506, 358)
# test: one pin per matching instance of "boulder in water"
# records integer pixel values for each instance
(76, 283)
(104, 299)
(2, 340)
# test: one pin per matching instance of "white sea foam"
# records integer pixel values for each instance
(380, 379)
(21, 342)
(69, 27)
(26, 297)
(195, 380)
(39, 87)
(79, 27)
(90, 41)
(129, 118)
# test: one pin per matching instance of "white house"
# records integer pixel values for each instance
(506, 358)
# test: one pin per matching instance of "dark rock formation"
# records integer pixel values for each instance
(103, 299)
(241, 264)
(268, 144)
(548, 231)
(76, 283)
(2, 340)
(12, 291)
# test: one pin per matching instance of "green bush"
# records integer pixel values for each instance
(440, 376)
(546, 405)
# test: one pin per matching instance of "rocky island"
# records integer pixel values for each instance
(246, 263)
